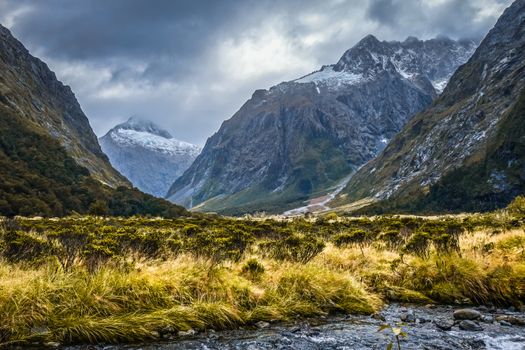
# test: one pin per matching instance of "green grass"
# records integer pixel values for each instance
(137, 279)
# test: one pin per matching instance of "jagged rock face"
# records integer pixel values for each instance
(32, 91)
(295, 140)
(147, 155)
(466, 151)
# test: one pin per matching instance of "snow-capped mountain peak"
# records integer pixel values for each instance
(147, 154)
(153, 142)
(433, 61)
(144, 125)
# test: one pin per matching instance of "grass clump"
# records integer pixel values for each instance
(295, 247)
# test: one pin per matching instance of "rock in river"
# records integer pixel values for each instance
(466, 314)
(444, 324)
(468, 325)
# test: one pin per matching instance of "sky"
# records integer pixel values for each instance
(190, 65)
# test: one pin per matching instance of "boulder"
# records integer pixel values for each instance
(466, 314)
(468, 325)
(444, 324)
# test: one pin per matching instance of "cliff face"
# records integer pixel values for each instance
(30, 90)
(465, 152)
(299, 138)
(147, 155)
(50, 160)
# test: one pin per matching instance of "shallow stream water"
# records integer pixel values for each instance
(355, 332)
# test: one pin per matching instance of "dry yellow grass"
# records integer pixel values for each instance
(39, 304)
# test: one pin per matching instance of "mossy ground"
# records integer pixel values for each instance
(91, 280)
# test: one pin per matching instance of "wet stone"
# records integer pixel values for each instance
(378, 316)
(408, 317)
(487, 319)
(511, 319)
(262, 325)
(466, 314)
(468, 325)
(444, 324)
(52, 344)
(354, 332)
(188, 333)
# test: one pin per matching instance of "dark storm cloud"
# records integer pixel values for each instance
(383, 11)
(189, 65)
(454, 18)
(163, 32)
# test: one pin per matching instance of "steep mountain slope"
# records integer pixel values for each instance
(50, 160)
(147, 155)
(32, 91)
(466, 152)
(297, 139)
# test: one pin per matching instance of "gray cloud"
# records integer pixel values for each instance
(188, 65)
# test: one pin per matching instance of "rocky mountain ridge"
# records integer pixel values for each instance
(50, 161)
(296, 140)
(30, 89)
(466, 151)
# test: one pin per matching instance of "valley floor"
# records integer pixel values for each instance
(81, 280)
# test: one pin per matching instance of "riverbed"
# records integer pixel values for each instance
(357, 332)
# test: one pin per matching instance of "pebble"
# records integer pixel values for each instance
(468, 325)
(466, 314)
(155, 334)
(190, 332)
(262, 324)
(52, 344)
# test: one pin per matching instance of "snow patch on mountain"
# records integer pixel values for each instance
(332, 79)
(147, 140)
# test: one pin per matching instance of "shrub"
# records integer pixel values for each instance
(331, 217)
(20, 246)
(299, 248)
(252, 269)
(98, 252)
(220, 244)
(517, 206)
(418, 244)
(358, 238)
(446, 243)
(69, 242)
(392, 238)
